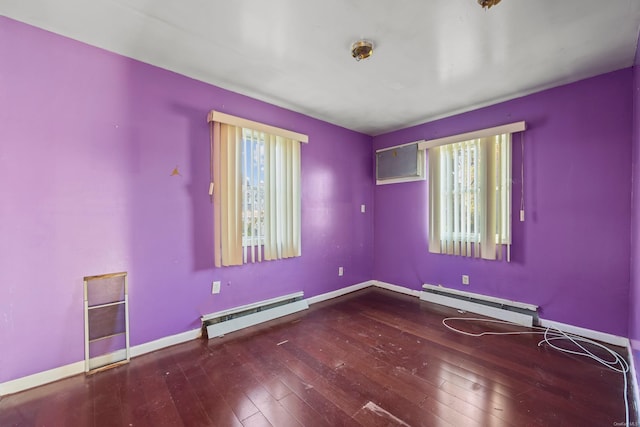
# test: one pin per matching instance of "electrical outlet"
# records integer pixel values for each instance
(465, 279)
(363, 208)
(215, 287)
(521, 215)
(340, 271)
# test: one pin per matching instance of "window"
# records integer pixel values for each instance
(470, 194)
(255, 189)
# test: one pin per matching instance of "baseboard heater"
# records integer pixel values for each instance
(498, 308)
(234, 319)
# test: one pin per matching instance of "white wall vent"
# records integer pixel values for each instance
(401, 163)
(106, 321)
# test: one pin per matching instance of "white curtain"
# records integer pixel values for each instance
(470, 198)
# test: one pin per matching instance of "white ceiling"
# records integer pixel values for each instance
(432, 58)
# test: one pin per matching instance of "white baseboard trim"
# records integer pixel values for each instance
(340, 292)
(634, 377)
(41, 378)
(396, 288)
(107, 359)
(587, 333)
(45, 377)
(165, 342)
(55, 374)
(363, 285)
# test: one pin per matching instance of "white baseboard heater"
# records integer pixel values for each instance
(498, 308)
(234, 319)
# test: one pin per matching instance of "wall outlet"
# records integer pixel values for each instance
(340, 271)
(465, 279)
(521, 215)
(215, 287)
(363, 208)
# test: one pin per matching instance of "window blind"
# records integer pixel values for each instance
(470, 197)
(255, 190)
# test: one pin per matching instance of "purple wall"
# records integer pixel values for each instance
(88, 142)
(634, 293)
(571, 256)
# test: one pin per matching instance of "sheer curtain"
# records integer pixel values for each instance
(470, 198)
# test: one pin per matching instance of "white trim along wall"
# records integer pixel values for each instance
(55, 374)
(41, 378)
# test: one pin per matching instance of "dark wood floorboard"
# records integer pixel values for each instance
(371, 358)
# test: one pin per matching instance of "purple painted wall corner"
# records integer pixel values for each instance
(571, 255)
(89, 141)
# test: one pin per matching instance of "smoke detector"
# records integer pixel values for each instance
(362, 49)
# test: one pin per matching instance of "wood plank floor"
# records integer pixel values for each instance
(371, 358)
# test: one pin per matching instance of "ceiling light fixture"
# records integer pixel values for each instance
(488, 3)
(362, 49)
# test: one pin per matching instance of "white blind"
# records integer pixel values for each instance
(227, 197)
(282, 196)
(256, 193)
(253, 194)
(470, 197)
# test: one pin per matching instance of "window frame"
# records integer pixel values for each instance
(497, 203)
(282, 238)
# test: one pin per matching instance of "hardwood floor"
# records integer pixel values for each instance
(372, 358)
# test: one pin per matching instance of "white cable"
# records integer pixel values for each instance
(550, 335)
